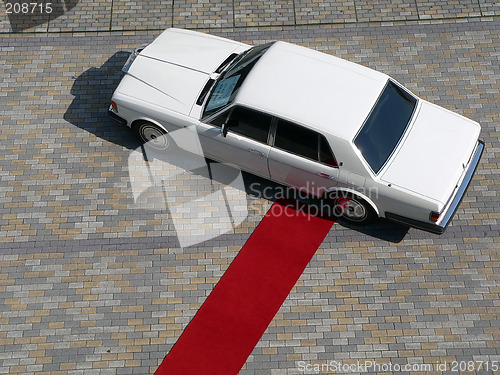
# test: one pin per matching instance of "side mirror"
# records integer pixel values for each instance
(224, 130)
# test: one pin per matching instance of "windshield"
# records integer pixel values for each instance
(385, 125)
(231, 79)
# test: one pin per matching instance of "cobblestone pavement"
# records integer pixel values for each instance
(92, 283)
(108, 15)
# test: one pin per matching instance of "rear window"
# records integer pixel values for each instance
(385, 125)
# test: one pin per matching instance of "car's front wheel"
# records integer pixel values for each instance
(351, 208)
(153, 136)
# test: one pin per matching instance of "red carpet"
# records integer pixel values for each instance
(225, 330)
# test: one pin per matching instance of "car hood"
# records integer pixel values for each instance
(434, 153)
(172, 70)
(166, 85)
(192, 50)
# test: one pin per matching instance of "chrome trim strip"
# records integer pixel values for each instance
(463, 186)
(132, 57)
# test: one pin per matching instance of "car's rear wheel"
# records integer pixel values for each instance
(153, 136)
(351, 208)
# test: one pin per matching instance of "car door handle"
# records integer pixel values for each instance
(252, 150)
(324, 175)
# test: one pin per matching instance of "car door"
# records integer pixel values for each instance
(302, 158)
(246, 142)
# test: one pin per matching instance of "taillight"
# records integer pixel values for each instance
(434, 216)
(114, 106)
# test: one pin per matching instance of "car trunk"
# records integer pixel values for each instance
(434, 153)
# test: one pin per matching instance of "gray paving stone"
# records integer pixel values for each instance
(314, 12)
(196, 14)
(446, 9)
(393, 10)
(248, 13)
(142, 15)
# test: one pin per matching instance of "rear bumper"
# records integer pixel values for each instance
(452, 206)
(429, 227)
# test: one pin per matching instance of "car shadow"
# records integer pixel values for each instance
(382, 229)
(92, 91)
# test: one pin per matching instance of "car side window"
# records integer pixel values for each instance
(325, 153)
(249, 123)
(303, 142)
(296, 139)
(219, 120)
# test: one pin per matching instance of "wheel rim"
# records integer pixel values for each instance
(351, 209)
(154, 137)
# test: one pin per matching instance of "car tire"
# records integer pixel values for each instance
(351, 208)
(153, 137)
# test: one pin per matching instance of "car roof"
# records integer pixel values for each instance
(324, 92)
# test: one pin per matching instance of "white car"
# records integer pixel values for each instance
(304, 119)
